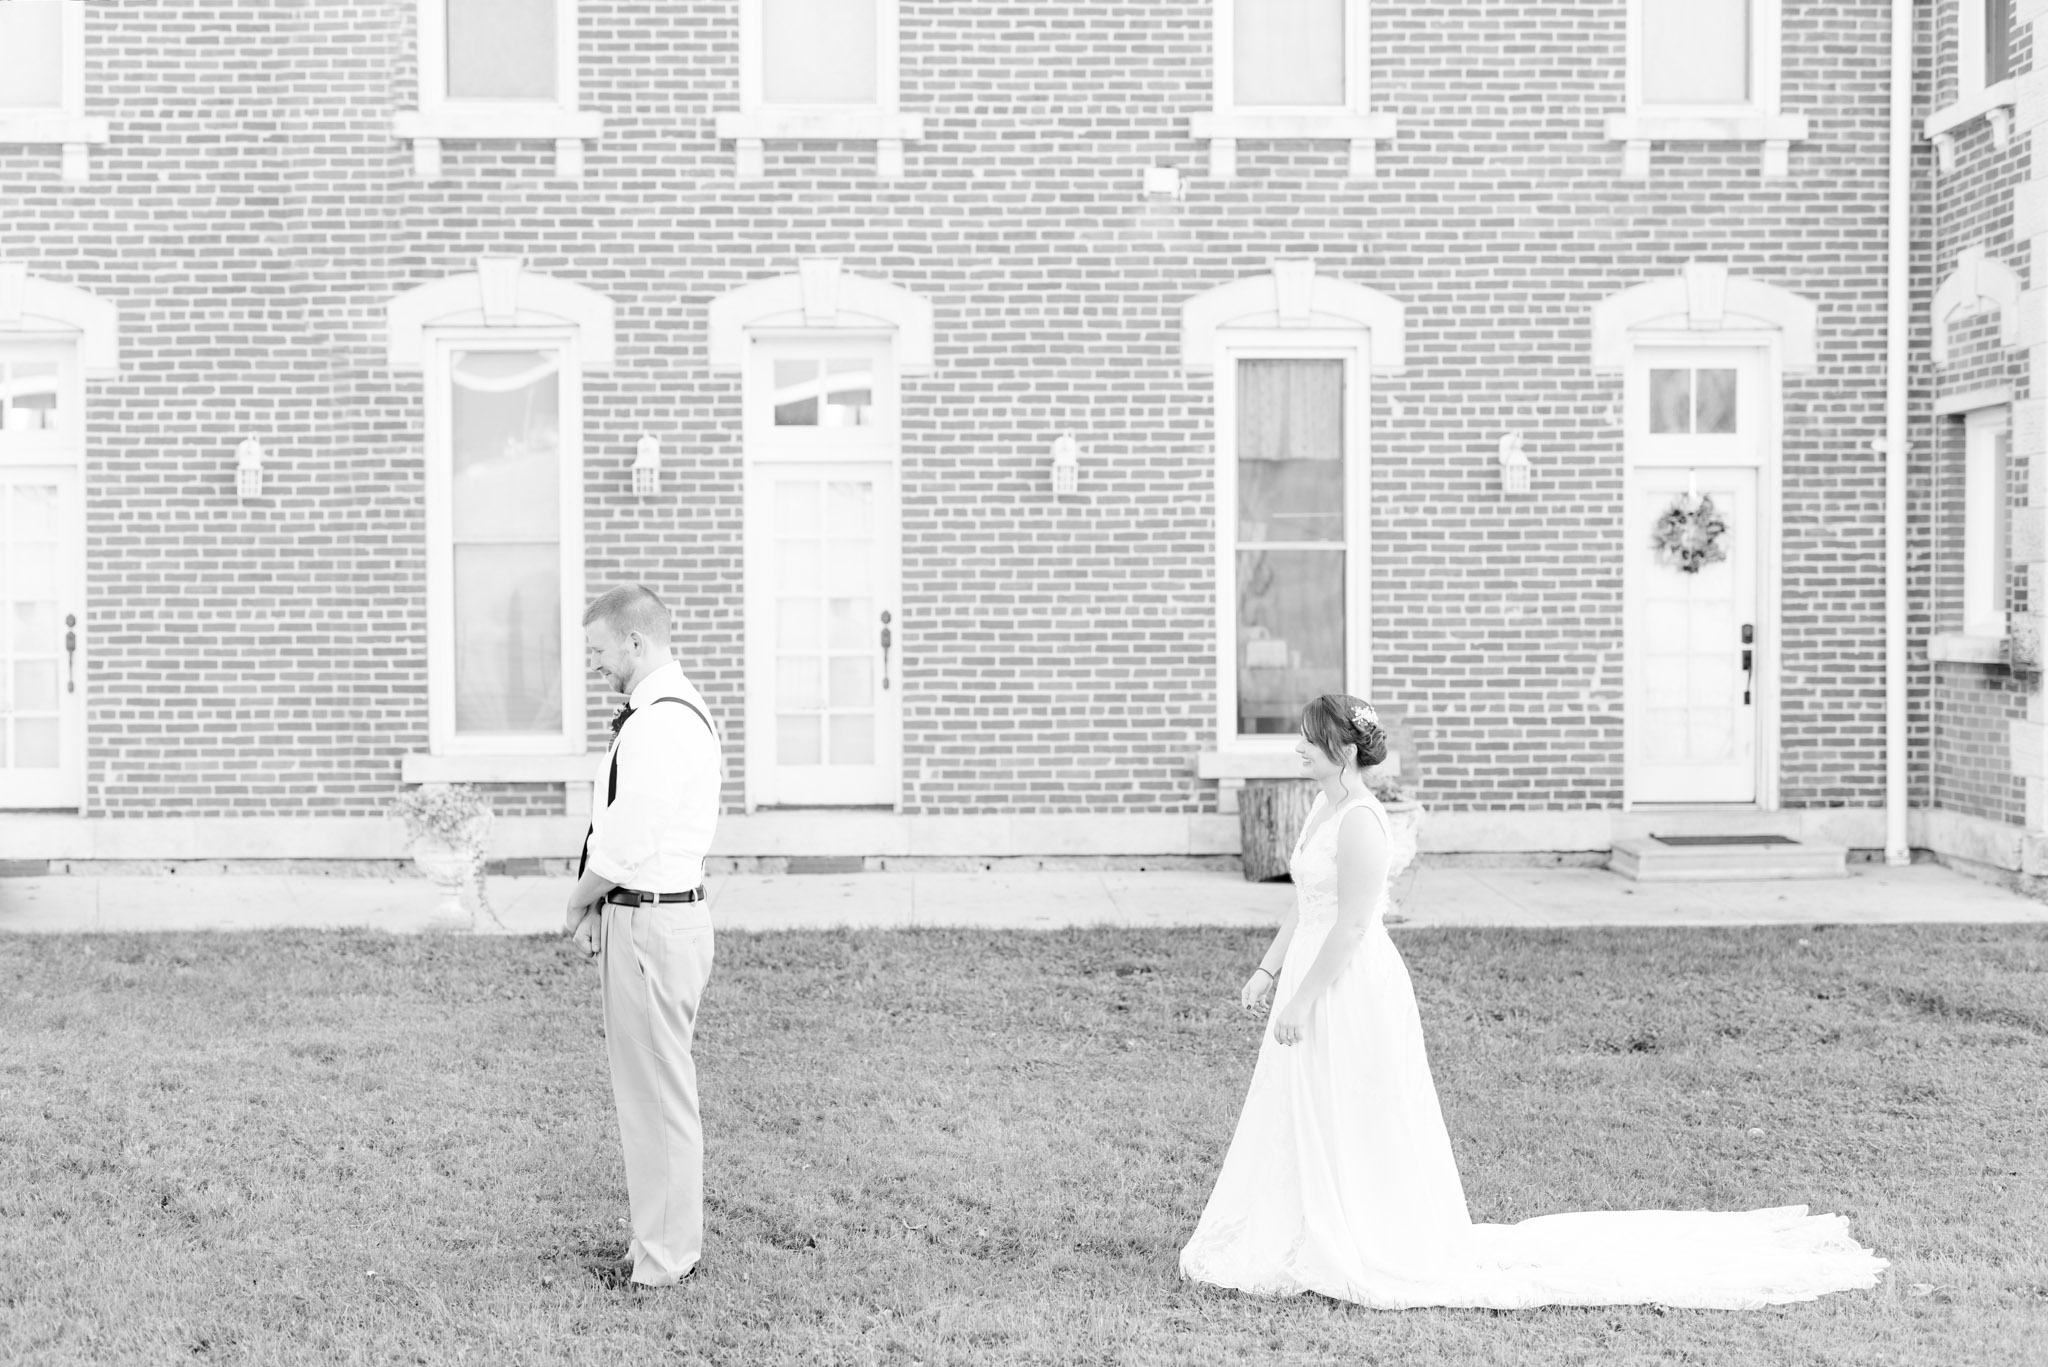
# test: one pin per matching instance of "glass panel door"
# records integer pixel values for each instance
(824, 640)
(41, 639)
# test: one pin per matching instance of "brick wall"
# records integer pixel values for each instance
(253, 215)
(1969, 765)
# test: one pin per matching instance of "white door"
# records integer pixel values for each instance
(824, 644)
(42, 635)
(1698, 443)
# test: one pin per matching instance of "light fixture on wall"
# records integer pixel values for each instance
(647, 467)
(1066, 466)
(249, 468)
(1514, 465)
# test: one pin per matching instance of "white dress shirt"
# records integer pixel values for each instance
(654, 835)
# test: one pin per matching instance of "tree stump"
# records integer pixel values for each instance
(1270, 815)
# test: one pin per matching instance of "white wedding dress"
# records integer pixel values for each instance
(1340, 1178)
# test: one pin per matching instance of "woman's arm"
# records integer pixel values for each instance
(1361, 869)
(1261, 983)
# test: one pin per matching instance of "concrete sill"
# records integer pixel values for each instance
(418, 768)
(1957, 648)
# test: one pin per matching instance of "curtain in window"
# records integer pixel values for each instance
(1695, 52)
(818, 52)
(505, 505)
(1288, 52)
(1291, 548)
(31, 54)
(501, 49)
(1997, 40)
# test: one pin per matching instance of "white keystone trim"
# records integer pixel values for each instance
(1705, 298)
(499, 293)
(31, 307)
(821, 297)
(1978, 284)
(1292, 296)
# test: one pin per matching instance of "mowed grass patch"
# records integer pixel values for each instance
(953, 1146)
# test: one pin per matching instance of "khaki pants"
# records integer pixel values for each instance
(657, 959)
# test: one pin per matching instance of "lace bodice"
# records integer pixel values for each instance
(1314, 864)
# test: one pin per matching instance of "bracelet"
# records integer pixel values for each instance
(1268, 972)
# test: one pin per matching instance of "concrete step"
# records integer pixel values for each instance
(1649, 860)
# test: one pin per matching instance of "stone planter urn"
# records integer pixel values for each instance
(1404, 832)
(448, 826)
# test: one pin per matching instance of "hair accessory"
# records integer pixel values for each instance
(1362, 717)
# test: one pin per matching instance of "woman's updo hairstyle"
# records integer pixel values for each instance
(1336, 720)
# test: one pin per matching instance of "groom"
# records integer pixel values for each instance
(639, 905)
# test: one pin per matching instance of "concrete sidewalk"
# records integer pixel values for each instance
(1428, 896)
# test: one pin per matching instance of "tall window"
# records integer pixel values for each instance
(1983, 44)
(1987, 452)
(1697, 53)
(497, 54)
(32, 50)
(1291, 539)
(819, 54)
(1288, 54)
(508, 652)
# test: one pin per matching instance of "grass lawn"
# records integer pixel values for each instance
(954, 1146)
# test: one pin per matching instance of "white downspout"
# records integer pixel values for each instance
(1897, 324)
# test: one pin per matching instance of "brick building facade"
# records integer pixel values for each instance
(1302, 287)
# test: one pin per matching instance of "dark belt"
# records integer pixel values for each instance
(627, 897)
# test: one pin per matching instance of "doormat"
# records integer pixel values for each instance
(826, 863)
(1724, 840)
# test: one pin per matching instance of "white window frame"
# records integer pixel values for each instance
(65, 123)
(759, 122)
(442, 116)
(1261, 345)
(1351, 121)
(1986, 523)
(1759, 119)
(442, 736)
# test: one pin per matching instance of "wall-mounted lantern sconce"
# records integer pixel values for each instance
(1514, 465)
(249, 468)
(1066, 466)
(647, 467)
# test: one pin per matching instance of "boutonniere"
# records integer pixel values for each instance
(619, 717)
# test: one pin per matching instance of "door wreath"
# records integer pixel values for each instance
(1689, 533)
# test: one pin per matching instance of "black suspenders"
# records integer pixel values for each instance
(611, 789)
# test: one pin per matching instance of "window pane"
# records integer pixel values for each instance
(853, 738)
(1997, 40)
(1695, 51)
(35, 743)
(849, 392)
(797, 624)
(34, 627)
(508, 638)
(507, 459)
(28, 396)
(31, 54)
(799, 740)
(35, 685)
(1289, 52)
(1716, 395)
(1290, 635)
(818, 52)
(2001, 531)
(799, 683)
(1671, 401)
(1290, 450)
(796, 393)
(851, 682)
(850, 622)
(501, 49)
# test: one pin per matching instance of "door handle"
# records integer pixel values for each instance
(1748, 662)
(885, 647)
(70, 653)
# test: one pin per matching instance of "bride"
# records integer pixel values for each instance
(1340, 1178)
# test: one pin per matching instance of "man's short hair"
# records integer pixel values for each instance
(630, 607)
